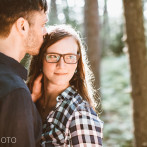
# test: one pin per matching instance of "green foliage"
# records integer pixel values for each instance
(117, 45)
(116, 102)
(111, 35)
(68, 12)
(26, 61)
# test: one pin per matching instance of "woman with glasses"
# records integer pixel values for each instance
(65, 104)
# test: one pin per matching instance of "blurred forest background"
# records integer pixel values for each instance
(113, 31)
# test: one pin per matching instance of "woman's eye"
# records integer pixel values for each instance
(71, 57)
(52, 56)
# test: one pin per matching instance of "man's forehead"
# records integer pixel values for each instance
(41, 15)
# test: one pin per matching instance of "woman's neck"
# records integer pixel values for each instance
(52, 90)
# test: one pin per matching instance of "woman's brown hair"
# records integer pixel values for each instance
(83, 77)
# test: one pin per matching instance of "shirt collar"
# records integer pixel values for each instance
(14, 65)
(67, 93)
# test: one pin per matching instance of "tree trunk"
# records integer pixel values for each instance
(91, 19)
(53, 15)
(138, 64)
(105, 30)
(66, 13)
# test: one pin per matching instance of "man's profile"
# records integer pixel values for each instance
(22, 27)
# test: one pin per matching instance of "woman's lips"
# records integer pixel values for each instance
(60, 73)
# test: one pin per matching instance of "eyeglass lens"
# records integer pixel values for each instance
(68, 58)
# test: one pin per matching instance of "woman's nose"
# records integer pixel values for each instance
(61, 62)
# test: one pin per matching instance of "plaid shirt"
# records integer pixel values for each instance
(72, 123)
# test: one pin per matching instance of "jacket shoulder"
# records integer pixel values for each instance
(10, 81)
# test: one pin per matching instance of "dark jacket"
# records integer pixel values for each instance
(20, 123)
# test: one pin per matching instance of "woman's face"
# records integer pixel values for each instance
(60, 73)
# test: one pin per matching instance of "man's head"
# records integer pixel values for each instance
(11, 10)
(36, 31)
(24, 20)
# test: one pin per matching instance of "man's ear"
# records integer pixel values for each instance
(22, 26)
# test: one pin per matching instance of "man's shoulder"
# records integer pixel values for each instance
(10, 81)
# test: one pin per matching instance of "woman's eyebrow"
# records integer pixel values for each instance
(60, 53)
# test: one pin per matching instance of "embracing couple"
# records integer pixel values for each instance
(55, 108)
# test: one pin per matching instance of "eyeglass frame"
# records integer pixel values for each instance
(62, 55)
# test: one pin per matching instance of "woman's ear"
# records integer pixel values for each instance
(22, 26)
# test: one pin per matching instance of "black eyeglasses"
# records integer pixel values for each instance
(68, 58)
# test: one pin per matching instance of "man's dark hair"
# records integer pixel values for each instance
(11, 10)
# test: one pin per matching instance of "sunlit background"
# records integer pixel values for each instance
(116, 111)
(115, 84)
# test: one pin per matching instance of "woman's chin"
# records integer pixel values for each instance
(62, 83)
